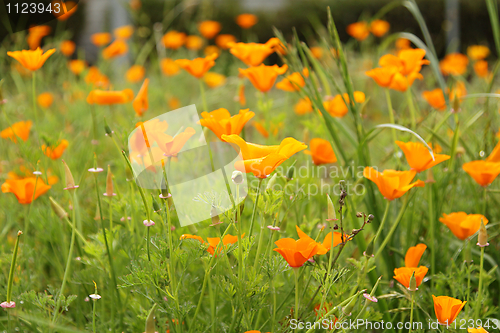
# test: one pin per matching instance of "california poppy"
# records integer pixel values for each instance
(246, 21)
(483, 172)
(137, 143)
(241, 95)
(463, 225)
(321, 151)
(211, 49)
(224, 40)
(263, 77)
(435, 98)
(226, 240)
(326, 245)
(317, 52)
(67, 9)
(392, 184)
(253, 54)
(104, 97)
(481, 68)
(135, 73)
(31, 60)
(403, 44)
(67, 47)
(303, 106)
(476, 330)
(221, 122)
(24, 188)
(359, 30)
(124, 32)
(171, 146)
(115, 49)
(454, 64)
(194, 42)
(209, 29)
(100, 38)
(45, 99)
(263, 160)
(296, 252)
(447, 308)
(20, 129)
(413, 255)
(96, 78)
(174, 103)
(197, 67)
(478, 52)
(379, 27)
(418, 156)
(169, 67)
(174, 39)
(382, 75)
(140, 103)
(403, 275)
(35, 35)
(261, 129)
(55, 152)
(214, 80)
(294, 81)
(337, 107)
(76, 66)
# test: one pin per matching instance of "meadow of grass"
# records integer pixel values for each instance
(371, 181)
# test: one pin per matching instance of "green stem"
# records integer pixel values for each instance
(411, 310)
(394, 226)
(93, 316)
(33, 90)
(12, 268)
(432, 230)
(480, 288)
(203, 97)
(384, 218)
(296, 273)
(240, 245)
(409, 99)
(255, 207)
(259, 245)
(391, 118)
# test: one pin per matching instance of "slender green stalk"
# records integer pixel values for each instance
(33, 90)
(409, 99)
(259, 244)
(432, 227)
(13, 267)
(240, 242)
(480, 288)
(384, 218)
(296, 273)
(394, 226)
(203, 96)
(94, 122)
(411, 310)
(93, 315)
(252, 219)
(391, 118)
(26, 227)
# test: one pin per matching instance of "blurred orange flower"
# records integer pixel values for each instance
(379, 27)
(392, 184)
(140, 103)
(35, 35)
(253, 54)
(481, 68)
(294, 81)
(115, 49)
(197, 67)
(194, 42)
(31, 60)
(77, 66)
(246, 21)
(135, 73)
(435, 98)
(241, 95)
(403, 44)
(458, 90)
(24, 188)
(209, 29)
(273, 128)
(100, 38)
(169, 67)
(321, 151)
(67, 47)
(338, 108)
(20, 129)
(171, 146)
(220, 121)
(263, 77)
(382, 75)
(478, 52)
(317, 52)
(447, 309)
(45, 99)
(135, 4)
(124, 32)
(483, 172)
(454, 64)
(296, 252)
(226, 240)
(211, 49)
(104, 97)
(463, 225)
(261, 129)
(359, 30)
(57, 151)
(67, 9)
(263, 160)
(174, 39)
(303, 106)
(418, 156)
(95, 77)
(214, 80)
(223, 40)
(174, 103)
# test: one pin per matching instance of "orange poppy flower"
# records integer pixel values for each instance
(294, 81)
(31, 60)
(483, 172)
(95, 77)
(211, 49)
(273, 128)
(458, 90)
(67, 9)
(303, 106)
(296, 252)
(140, 102)
(495, 154)
(263, 77)
(321, 151)
(24, 188)
(227, 240)
(135, 73)
(197, 67)
(358, 30)
(418, 156)
(100, 39)
(382, 75)
(324, 247)
(338, 108)
(476, 330)
(379, 27)
(403, 44)
(263, 160)
(77, 66)
(253, 54)
(174, 103)
(57, 151)
(481, 68)
(478, 52)
(413, 255)
(137, 143)
(169, 67)
(214, 80)
(392, 184)
(174, 39)
(463, 225)
(220, 121)
(223, 41)
(20, 129)
(209, 29)
(115, 49)
(317, 52)
(171, 146)
(447, 308)
(135, 4)
(435, 98)
(67, 47)
(124, 32)
(45, 99)
(241, 95)
(246, 21)
(35, 35)
(261, 129)
(194, 42)
(454, 64)
(403, 275)
(104, 97)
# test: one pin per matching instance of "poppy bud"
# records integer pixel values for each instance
(156, 206)
(332, 216)
(482, 238)
(58, 210)
(150, 320)
(214, 213)
(164, 190)
(70, 181)
(97, 216)
(349, 307)
(369, 249)
(109, 184)
(237, 177)
(271, 182)
(290, 172)
(107, 129)
(413, 283)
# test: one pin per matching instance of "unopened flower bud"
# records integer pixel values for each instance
(156, 206)
(58, 210)
(332, 216)
(413, 282)
(369, 249)
(109, 184)
(237, 177)
(349, 307)
(482, 238)
(271, 182)
(107, 129)
(70, 181)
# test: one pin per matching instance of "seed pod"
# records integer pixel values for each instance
(107, 129)
(369, 249)
(70, 181)
(58, 210)
(332, 215)
(482, 238)
(237, 177)
(271, 182)
(109, 184)
(413, 282)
